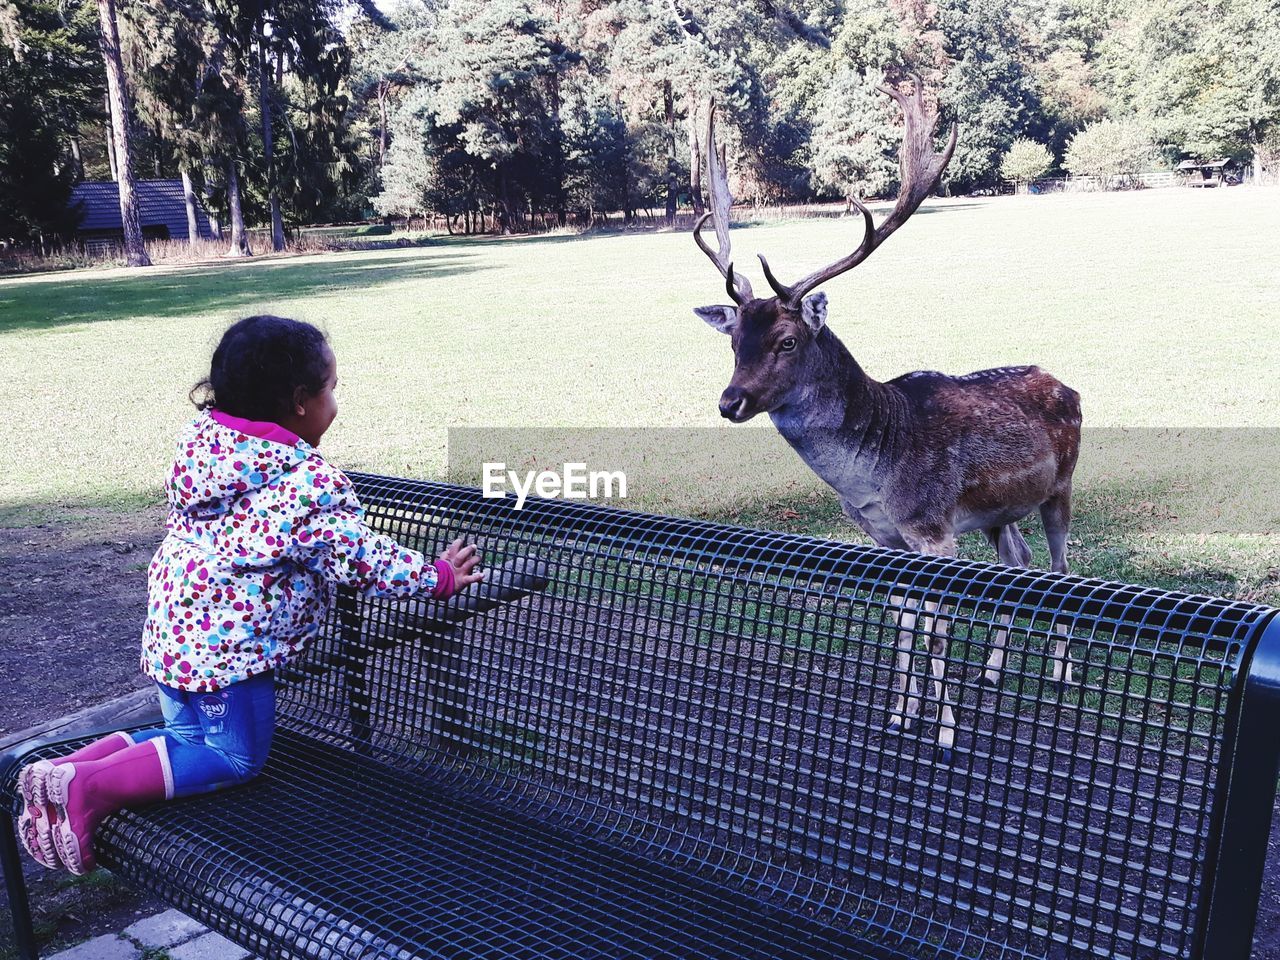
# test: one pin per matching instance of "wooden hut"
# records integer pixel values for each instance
(1215, 173)
(161, 208)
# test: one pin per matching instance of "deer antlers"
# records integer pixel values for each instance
(739, 287)
(920, 169)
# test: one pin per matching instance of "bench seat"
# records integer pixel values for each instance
(328, 848)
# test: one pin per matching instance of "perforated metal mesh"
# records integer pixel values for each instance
(668, 741)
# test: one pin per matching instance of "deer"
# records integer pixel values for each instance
(916, 460)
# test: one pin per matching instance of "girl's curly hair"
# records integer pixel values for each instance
(259, 365)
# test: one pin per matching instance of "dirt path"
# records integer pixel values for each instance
(70, 613)
(71, 607)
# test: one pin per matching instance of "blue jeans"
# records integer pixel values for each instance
(215, 740)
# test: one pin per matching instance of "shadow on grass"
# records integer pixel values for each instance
(210, 287)
(16, 514)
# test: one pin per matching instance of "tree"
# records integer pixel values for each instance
(855, 139)
(1203, 75)
(525, 112)
(599, 173)
(51, 81)
(1026, 161)
(651, 46)
(409, 174)
(267, 30)
(381, 68)
(304, 66)
(166, 45)
(482, 112)
(134, 248)
(202, 83)
(1057, 44)
(988, 86)
(264, 46)
(1238, 107)
(1114, 152)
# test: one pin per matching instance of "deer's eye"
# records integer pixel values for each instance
(788, 344)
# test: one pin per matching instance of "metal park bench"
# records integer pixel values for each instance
(649, 737)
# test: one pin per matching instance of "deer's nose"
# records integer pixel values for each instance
(733, 404)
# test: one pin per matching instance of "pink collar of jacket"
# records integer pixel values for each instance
(262, 429)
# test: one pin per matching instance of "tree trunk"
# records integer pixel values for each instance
(502, 208)
(268, 145)
(215, 225)
(669, 104)
(382, 125)
(239, 238)
(189, 195)
(1257, 161)
(77, 161)
(111, 141)
(695, 163)
(557, 151)
(135, 249)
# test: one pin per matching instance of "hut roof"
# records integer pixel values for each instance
(160, 202)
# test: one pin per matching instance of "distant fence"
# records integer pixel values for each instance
(1148, 179)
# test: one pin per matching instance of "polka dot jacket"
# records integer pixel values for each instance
(260, 531)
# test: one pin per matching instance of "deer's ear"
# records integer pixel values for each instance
(721, 317)
(814, 311)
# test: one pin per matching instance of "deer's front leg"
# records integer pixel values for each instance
(940, 545)
(1061, 660)
(995, 662)
(906, 708)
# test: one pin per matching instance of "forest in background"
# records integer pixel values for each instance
(509, 115)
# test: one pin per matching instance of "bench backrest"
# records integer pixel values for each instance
(723, 693)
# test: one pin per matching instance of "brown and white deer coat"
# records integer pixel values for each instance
(915, 460)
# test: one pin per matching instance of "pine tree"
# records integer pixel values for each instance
(51, 81)
(487, 115)
(167, 46)
(855, 139)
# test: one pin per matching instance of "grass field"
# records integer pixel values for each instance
(1161, 308)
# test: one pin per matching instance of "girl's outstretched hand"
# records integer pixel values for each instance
(464, 558)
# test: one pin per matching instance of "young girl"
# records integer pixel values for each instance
(261, 530)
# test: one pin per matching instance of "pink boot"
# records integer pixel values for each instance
(35, 823)
(83, 793)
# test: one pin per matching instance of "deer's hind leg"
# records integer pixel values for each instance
(1055, 513)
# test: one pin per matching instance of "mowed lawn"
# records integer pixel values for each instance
(1162, 308)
